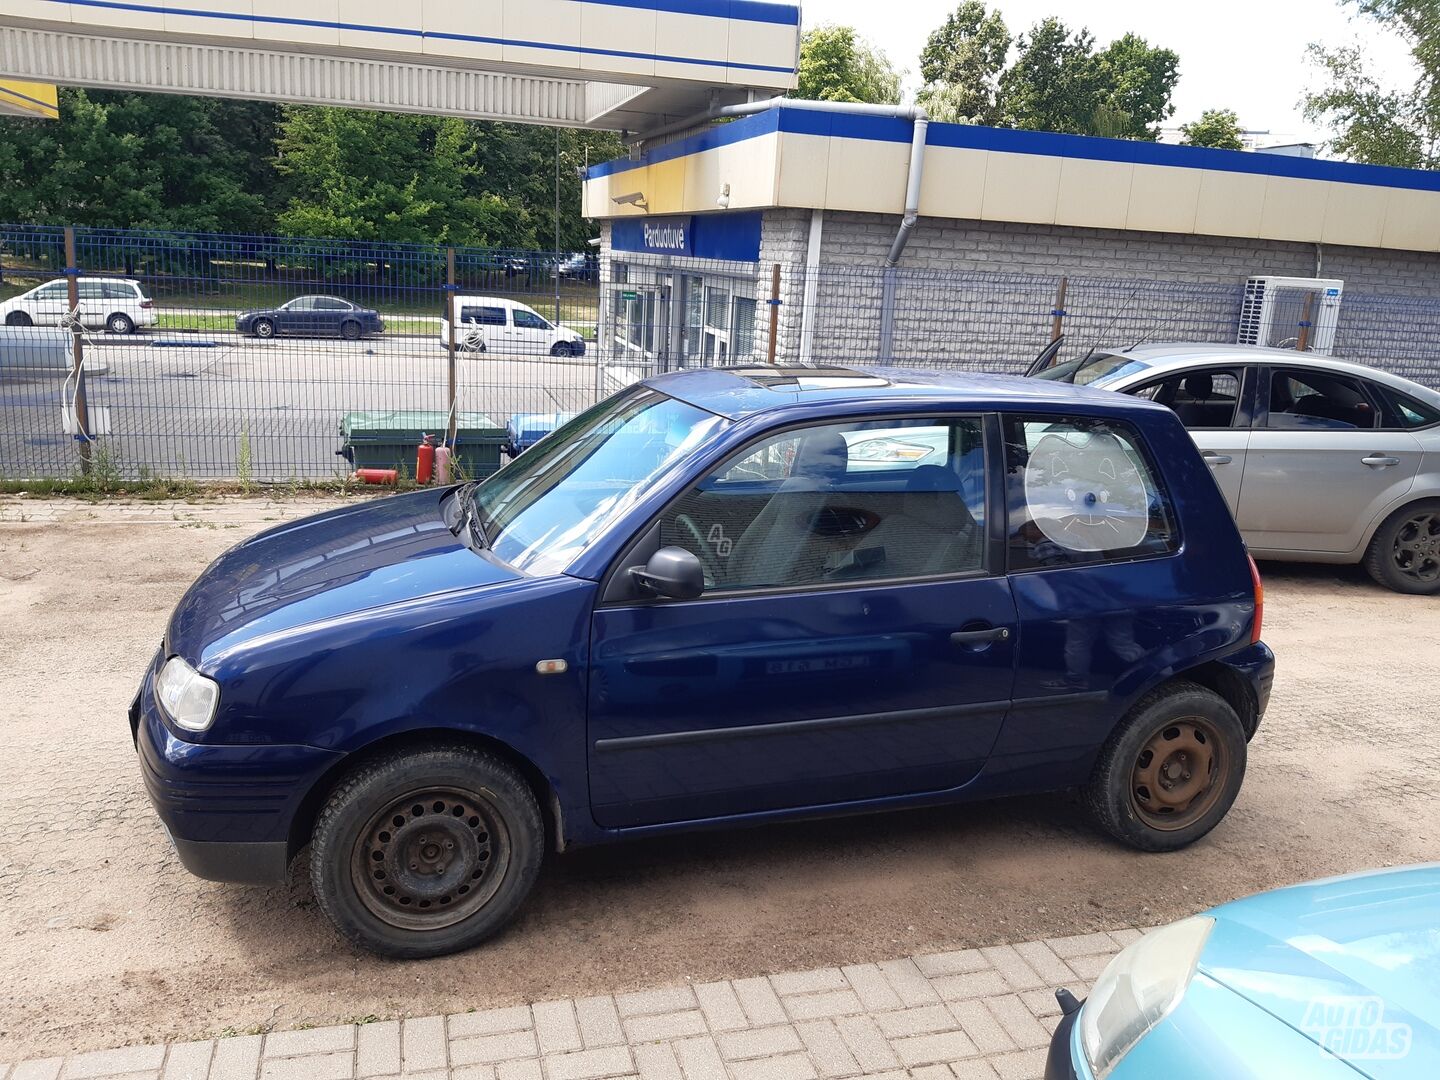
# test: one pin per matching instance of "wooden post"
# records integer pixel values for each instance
(77, 351)
(774, 312)
(1302, 342)
(450, 312)
(1057, 323)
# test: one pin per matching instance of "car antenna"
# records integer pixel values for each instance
(1150, 334)
(1125, 307)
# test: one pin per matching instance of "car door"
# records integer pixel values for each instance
(1215, 403)
(327, 315)
(49, 303)
(296, 316)
(1321, 465)
(854, 641)
(533, 335)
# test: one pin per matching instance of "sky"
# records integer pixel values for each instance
(1245, 55)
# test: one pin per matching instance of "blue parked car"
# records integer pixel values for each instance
(694, 605)
(1332, 979)
(311, 316)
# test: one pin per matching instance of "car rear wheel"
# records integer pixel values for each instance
(350, 330)
(19, 318)
(561, 348)
(1405, 552)
(1171, 769)
(120, 323)
(425, 852)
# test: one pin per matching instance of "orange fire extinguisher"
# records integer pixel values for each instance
(425, 460)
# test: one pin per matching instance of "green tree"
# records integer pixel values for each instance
(149, 161)
(386, 176)
(1375, 124)
(1060, 83)
(1135, 81)
(961, 65)
(836, 64)
(1216, 128)
(1053, 84)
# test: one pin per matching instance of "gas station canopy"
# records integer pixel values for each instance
(628, 65)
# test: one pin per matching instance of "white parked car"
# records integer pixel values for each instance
(119, 305)
(494, 324)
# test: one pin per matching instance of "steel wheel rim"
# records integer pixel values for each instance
(119, 325)
(1178, 774)
(431, 858)
(1417, 547)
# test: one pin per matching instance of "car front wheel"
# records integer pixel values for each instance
(561, 348)
(1405, 552)
(350, 330)
(1171, 769)
(426, 851)
(19, 318)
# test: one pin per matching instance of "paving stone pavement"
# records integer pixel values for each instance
(975, 1014)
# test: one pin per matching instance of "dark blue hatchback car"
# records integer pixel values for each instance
(719, 597)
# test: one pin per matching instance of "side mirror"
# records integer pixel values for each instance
(673, 573)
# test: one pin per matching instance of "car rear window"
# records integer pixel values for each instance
(1081, 491)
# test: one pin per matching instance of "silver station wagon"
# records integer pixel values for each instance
(1320, 460)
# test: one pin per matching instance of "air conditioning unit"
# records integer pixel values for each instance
(1291, 313)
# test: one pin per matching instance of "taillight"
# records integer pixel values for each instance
(147, 303)
(1259, 600)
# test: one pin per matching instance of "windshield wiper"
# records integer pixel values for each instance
(470, 516)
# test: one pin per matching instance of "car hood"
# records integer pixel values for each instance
(325, 567)
(1348, 962)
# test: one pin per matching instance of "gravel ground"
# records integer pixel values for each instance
(106, 940)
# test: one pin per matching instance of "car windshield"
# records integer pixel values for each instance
(540, 511)
(1097, 369)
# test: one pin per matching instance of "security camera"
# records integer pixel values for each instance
(724, 200)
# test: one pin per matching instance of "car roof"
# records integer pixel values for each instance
(738, 392)
(1178, 355)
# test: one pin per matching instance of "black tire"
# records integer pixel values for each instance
(19, 318)
(1194, 722)
(412, 885)
(1404, 554)
(120, 323)
(561, 348)
(263, 328)
(350, 330)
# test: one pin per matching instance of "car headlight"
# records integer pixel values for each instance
(187, 697)
(1139, 988)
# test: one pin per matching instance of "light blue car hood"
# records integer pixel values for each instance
(1343, 961)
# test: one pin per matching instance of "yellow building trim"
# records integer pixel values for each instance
(19, 98)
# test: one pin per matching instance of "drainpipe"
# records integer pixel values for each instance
(921, 124)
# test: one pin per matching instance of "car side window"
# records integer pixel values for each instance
(1201, 399)
(1317, 400)
(119, 290)
(1081, 491)
(92, 290)
(850, 502)
(483, 316)
(305, 303)
(329, 303)
(1403, 411)
(528, 320)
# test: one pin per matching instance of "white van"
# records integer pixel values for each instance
(120, 305)
(493, 324)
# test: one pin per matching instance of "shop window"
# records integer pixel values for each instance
(742, 331)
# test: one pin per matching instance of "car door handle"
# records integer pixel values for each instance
(980, 637)
(1212, 458)
(1380, 460)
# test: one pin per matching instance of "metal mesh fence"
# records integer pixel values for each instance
(245, 357)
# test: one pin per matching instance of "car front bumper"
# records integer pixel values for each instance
(227, 809)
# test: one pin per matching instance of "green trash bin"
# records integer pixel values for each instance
(388, 440)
